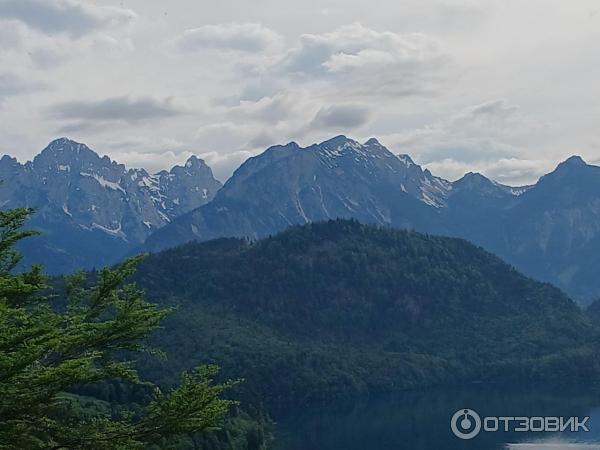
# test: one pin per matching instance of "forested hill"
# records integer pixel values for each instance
(339, 306)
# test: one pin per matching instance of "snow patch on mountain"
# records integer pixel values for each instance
(117, 232)
(103, 182)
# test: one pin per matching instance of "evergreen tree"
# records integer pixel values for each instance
(48, 347)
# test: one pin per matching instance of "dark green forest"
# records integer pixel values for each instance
(340, 309)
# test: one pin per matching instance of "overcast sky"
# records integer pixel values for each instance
(507, 87)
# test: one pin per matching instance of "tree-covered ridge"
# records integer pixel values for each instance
(339, 306)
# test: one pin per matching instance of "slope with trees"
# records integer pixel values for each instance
(52, 347)
(340, 308)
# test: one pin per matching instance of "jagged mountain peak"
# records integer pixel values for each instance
(344, 147)
(66, 146)
(373, 141)
(473, 179)
(194, 161)
(475, 183)
(573, 161)
(6, 159)
(68, 156)
(572, 171)
(337, 141)
(292, 145)
(255, 164)
(338, 146)
(64, 141)
(193, 166)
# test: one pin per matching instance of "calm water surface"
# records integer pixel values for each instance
(421, 421)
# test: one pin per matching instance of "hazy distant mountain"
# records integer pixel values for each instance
(90, 209)
(549, 230)
(553, 229)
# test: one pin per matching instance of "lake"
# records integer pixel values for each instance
(421, 421)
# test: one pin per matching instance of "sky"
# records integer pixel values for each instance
(507, 88)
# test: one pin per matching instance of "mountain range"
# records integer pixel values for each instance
(339, 178)
(94, 211)
(550, 230)
(91, 210)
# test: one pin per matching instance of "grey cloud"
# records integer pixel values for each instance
(493, 108)
(341, 117)
(63, 16)
(263, 139)
(478, 133)
(361, 62)
(365, 64)
(436, 143)
(149, 145)
(510, 171)
(247, 37)
(281, 107)
(47, 57)
(519, 172)
(11, 85)
(80, 126)
(11, 35)
(309, 56)
(225, 137)
(467, 150)
(494, 119)
(355, 47)
(122, 109)
(261, 87)
(223, 164)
